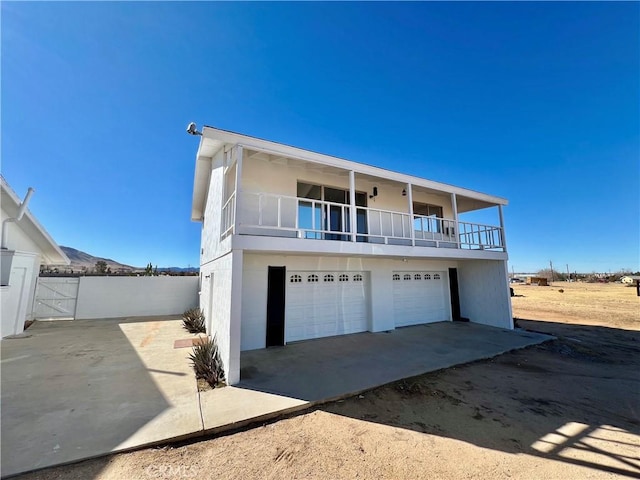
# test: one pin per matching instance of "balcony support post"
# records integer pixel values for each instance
(454, 207)
(352, 205)
(238, 185)
(502, 235)
(410, 200)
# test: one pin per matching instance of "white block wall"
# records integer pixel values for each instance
(484, 292)
(113, 297)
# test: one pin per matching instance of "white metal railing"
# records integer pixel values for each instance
(228, 215)
(318, 219)
(482, 237)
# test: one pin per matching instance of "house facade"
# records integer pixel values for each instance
(26, 246)
(299, 245)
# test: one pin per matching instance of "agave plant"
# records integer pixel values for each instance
(207, 363)
(193, 321)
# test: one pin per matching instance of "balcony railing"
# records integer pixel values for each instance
(281, 215)
(228, 215)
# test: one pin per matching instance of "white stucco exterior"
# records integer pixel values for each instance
(246, 194)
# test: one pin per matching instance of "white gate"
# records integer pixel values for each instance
(56, 298)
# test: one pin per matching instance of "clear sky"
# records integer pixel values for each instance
(535, 102)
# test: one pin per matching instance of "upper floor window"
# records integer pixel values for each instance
(329, 194)
(431, 224)
(427, 210)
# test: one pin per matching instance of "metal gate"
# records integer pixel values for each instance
(56, 298)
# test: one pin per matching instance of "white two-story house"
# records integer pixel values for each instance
(298, 245)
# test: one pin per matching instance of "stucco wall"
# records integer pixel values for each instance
(254, 287)
(260, 176)
(16, 299)
(211, 245)
(484, 292)
(219, 299)
(17, 239)
(112, 297)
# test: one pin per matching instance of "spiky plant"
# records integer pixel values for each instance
(207, 363)
(193, 321)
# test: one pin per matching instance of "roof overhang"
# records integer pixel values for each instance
(213, 139)
(51, 253)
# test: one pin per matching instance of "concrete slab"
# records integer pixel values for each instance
(79, 389)
(232, 407)
(330, 368)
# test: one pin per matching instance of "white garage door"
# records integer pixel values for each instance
(419, 297)
(322, 304)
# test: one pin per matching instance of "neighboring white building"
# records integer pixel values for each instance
(280, 262)
(630, 279)
(28, 245)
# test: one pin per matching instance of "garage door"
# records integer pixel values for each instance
(322, 304)
(419, 297)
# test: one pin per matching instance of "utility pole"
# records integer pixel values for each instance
(551, 265)
(568, 274)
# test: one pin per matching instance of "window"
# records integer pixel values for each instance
(343, 278)
(312, 278)
(417, 276)
(328, 278)
(295, 279)
(436, 276)
(357, 277)
(427, 276)
(431, 224)
(318, 218)
(407, 276)
(396, 276)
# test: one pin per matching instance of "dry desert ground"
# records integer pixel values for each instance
(566, 409)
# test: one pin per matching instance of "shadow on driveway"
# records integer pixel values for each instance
(77, 389)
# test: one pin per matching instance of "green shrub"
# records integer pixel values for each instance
(207, 363)
(193, 321)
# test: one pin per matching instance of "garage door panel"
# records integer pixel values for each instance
(322, 304)
(419, 297)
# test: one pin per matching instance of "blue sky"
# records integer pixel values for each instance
(535, 102)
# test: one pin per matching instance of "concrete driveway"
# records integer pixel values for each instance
(77, 389)
(74, 389)
(324, 369)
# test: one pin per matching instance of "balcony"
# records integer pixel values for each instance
(294, 217)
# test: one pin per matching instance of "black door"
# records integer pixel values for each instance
(275, 306)
(455, 294)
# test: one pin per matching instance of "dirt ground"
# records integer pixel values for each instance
(566, 409)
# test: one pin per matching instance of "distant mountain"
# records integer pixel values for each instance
(178, 269)
(81, 260)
